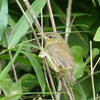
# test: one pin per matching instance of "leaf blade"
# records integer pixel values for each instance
(22, 26)
(37, 69)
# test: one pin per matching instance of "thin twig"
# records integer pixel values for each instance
(68, 20)
(46, 78)
(30, 24)
(51, 16)
(11, 58)
(72, 21)
(42, 29)
(69, 96)
(47, 67)
(92, 71)
(42, 19)
(96, 63)
(44, 59)
(33, 15)
(97, 72)
(13, 66)
(42, 55)
(58, 96)
(50, 77)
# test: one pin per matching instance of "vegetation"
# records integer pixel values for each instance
(22, 73)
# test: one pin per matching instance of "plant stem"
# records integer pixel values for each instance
(58, 96)
(30, 24)
(68, 20)
(33, 16)
(13, 66)
(51, 16)
(46, 78)
(50, 77)
(92, 70)
(68, 93)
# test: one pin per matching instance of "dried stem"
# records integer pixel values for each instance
(68, 20)
(97, 72)
(13, 66)
(58, 90)
(30, 24)
(33, 16)
(68, 93)
(92, 71)
(45, 62)
(46, 67)
(96, 63)
(42, 29)
(50, 77)
(51, 16)
(48, 84)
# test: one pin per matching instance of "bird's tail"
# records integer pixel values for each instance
(70, 77)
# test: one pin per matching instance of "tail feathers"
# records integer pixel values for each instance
(71, 77)
(72, 80)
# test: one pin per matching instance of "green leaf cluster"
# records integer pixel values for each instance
(17, 37)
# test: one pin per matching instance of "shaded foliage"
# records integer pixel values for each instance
(29, 67)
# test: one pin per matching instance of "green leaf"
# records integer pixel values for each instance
(79, 92)
(15, 91)
(75, 40)
(79, 70)
(95, 52)
(5, 85)
(22, 26)
(88, 19)
(78, 53)
(98, 2)
(58, 10)
(11, 90)
(37, 69)
(88, 91)
(97, 35)
(3, 17)
(7, 68)
(94, 2)
(18, 59)
(28, 82)
(11, 22)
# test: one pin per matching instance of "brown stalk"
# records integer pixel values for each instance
(68, 20)
(51, 16)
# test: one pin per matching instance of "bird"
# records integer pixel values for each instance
(60, 55)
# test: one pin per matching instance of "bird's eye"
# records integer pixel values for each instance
(50, 37)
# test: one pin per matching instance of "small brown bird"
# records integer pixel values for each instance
(59, 52)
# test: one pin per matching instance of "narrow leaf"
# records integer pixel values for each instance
(3, 17)
(97, 35)
(7, 68)
(37, 69)
(22, 26)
